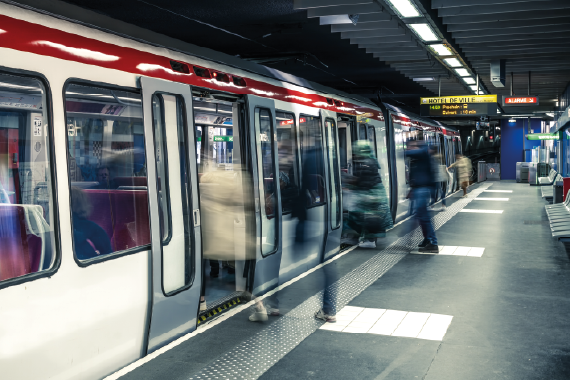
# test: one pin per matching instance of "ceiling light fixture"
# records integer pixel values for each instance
(453, 62)
(441, 49)
(405, 8)
(469, 80)
(424, 31)
(462, 72)
(473, 88)
(426, 79)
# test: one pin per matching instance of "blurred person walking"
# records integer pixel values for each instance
(369, 216)
(421, 182)
(440, 178)
(464, 168)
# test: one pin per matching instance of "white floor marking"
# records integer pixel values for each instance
(491, 199)
(498, 191)
(481, 211)
(453, 250)
(390, 322)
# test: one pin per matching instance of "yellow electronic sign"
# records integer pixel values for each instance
(459, 99)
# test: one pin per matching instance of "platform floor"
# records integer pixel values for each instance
(508, 308)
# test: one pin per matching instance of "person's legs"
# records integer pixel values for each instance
(443, 191)
(328, 311)
(421, 200)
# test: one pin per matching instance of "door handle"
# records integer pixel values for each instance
(196, 214)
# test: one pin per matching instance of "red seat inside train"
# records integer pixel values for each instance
(20, 253)
(130, 181)
(123, 214)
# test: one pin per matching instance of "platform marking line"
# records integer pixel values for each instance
(492, 199)
(361, 320)
(255, 355)
(498, 191)
(449, 250)
(482, 211)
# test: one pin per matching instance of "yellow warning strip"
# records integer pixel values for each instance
(204, 317)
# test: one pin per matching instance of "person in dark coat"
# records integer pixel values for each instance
(421, 182)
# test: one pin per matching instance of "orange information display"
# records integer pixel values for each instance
(520, 100)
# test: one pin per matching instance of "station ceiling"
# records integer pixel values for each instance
(380, 56)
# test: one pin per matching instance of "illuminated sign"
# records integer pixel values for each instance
(287, 122)
(542, 136)
(520, 100)
(461, 109)
(223, 138)
(459, 99)
(302, 120)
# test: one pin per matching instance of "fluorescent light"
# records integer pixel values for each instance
(453, 62)
(512, 121)
(469, 80)
(405, 8)
(423, 79)
(424, 31)
(441, 49)
(462, 72)
(473, 88)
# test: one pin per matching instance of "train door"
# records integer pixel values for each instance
(377, 137)
(345, 138)
(266, 191)
(174, 212)
(332, 179)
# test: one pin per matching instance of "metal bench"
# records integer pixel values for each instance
(548, 181)
(548, 191)
(559, 216)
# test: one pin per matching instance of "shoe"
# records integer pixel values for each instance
(214, 274)
(429, 248)
(259, 315)
(367, 244)
(271, 311)
(325, 317)
(443, 208)
(203, 306)
(423, 243)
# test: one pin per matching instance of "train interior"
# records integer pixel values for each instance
(223, 201)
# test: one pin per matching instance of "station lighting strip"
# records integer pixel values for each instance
(431, 39)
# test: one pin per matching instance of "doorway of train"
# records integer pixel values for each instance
(241, 221)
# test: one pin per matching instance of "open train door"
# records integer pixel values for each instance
(332, 174)
(266, 192)
(174, 268)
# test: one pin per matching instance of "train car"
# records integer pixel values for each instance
(138, 179)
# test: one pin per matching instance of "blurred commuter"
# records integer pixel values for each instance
(89, 239)
(421, 182)
(440, 177)
(464, 168)
(370, 215)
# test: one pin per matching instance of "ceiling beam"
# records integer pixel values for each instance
(529, 15)
(388, 44)
(465, 47)
(374, 33)
(513, 31)
(515, 52)
(473, 10)
(396, 49)
(306, 4)
(364, 18)
(507, 24)
(397, 58)
(391, 39)
(343, 10)
(388, 24)
(512, 37)
(436, 4)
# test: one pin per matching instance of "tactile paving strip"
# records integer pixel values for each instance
(251, 358)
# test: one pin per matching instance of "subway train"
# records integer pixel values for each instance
(137, 178)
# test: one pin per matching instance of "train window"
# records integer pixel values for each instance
(372, 138)
(27, 243)
(107, 171)
(173, 181)
(342, 144)
(286, 149)
(362, 132)
(161, 156)
(311, 143)
(334, 191)
(264, 125)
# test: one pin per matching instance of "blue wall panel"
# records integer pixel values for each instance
(512, 144)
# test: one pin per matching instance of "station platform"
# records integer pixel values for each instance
(494, 304)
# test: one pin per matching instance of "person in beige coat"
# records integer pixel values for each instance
(464, 168)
